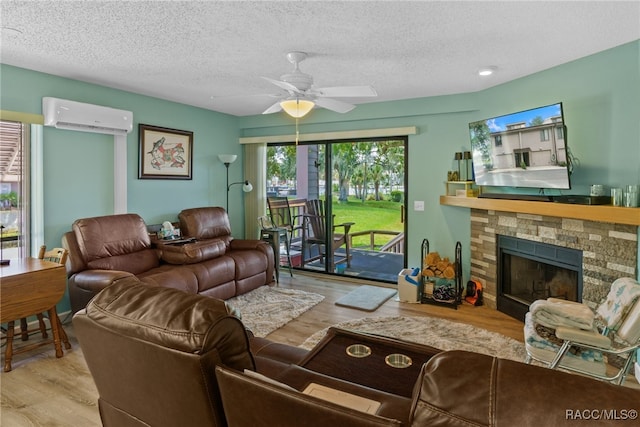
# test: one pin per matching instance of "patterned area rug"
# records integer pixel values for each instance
(265, 309)
(439, 333)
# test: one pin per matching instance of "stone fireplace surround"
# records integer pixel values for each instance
(609, 250)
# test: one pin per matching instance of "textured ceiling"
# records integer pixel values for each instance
(212, 54)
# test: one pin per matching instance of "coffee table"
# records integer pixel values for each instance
(330, 357)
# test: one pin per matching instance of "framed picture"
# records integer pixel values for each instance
(165, 153)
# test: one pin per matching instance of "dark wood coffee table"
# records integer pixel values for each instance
(330, 357)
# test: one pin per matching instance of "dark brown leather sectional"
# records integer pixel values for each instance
(162, 357)
(106, 249)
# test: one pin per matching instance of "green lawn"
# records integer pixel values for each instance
(370, 215)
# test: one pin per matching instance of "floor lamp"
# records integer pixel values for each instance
(227, 159)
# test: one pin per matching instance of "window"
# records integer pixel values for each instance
(544, 134)
(14, 188)
(560, 132)
(498, 140)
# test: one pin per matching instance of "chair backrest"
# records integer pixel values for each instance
(152, 352)
(205, 223)
(280, 211)
(620, 300)
(316, 218)
(57, 255)
(112, 242)
(630, 327)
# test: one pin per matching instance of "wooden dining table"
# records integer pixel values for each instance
(29, 286)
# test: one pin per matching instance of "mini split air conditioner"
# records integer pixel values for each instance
(72, 115)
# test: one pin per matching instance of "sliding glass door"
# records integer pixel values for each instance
(348, 199)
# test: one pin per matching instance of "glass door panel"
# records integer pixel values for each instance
(356, 190)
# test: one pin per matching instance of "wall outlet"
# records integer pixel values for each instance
(418, 205)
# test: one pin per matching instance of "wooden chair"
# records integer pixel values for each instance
(281, 217)
(315, 233)
(59, 256)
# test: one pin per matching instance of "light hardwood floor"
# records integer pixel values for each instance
(58, 394)
(327, 313)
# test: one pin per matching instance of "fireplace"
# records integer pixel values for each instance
(530, 270)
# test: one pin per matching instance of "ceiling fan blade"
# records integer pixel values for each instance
(275, 108)
(347, 91)
(283, 85)
(334, 105)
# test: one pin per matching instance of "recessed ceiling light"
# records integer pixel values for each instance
(486, 71)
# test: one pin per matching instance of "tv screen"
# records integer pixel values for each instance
(524, 149)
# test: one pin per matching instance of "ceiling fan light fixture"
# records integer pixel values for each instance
(297, 107)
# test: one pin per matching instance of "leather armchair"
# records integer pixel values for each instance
(152, 352)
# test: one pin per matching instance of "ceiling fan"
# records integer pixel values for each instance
(302, 96)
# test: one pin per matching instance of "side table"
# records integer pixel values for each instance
(29, 286)
(273, 236)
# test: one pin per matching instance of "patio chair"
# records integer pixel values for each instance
(315, 233)
(281, 217)
(568, 335)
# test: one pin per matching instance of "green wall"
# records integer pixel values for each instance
(600, 94)
(601, 102)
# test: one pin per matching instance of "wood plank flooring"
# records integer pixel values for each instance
(327, 313)
(58, 393)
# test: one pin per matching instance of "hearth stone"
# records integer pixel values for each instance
(609, 250)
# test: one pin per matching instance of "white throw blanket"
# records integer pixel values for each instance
(554, 312)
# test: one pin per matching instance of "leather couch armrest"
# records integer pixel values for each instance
(258, 245)
(192, 253)
(97, 280)
(391, 405)
(246, 244)
(279, 405)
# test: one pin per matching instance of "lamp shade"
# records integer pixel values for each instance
(297, 107)
(227, 158)
(247, 187)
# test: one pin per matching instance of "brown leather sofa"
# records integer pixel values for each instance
(107, 249)
(161, 357)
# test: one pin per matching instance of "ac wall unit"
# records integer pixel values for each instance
(72, 115)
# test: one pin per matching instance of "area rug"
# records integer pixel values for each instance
(439, 333)
(267, 308)
(367, 298)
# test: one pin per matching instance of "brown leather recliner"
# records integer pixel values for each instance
(106, 249)
(152, 352)
(162, 357)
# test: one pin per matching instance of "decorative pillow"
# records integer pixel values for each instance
(191, 253)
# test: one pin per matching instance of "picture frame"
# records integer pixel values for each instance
(165, 153)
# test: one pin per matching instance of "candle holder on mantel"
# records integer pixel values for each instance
(2, 260)
(468, 169)
(457, 157)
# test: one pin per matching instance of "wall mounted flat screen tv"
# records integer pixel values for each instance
(523, 149)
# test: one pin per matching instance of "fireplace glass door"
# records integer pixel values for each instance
(526, 280)
(528, 271)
